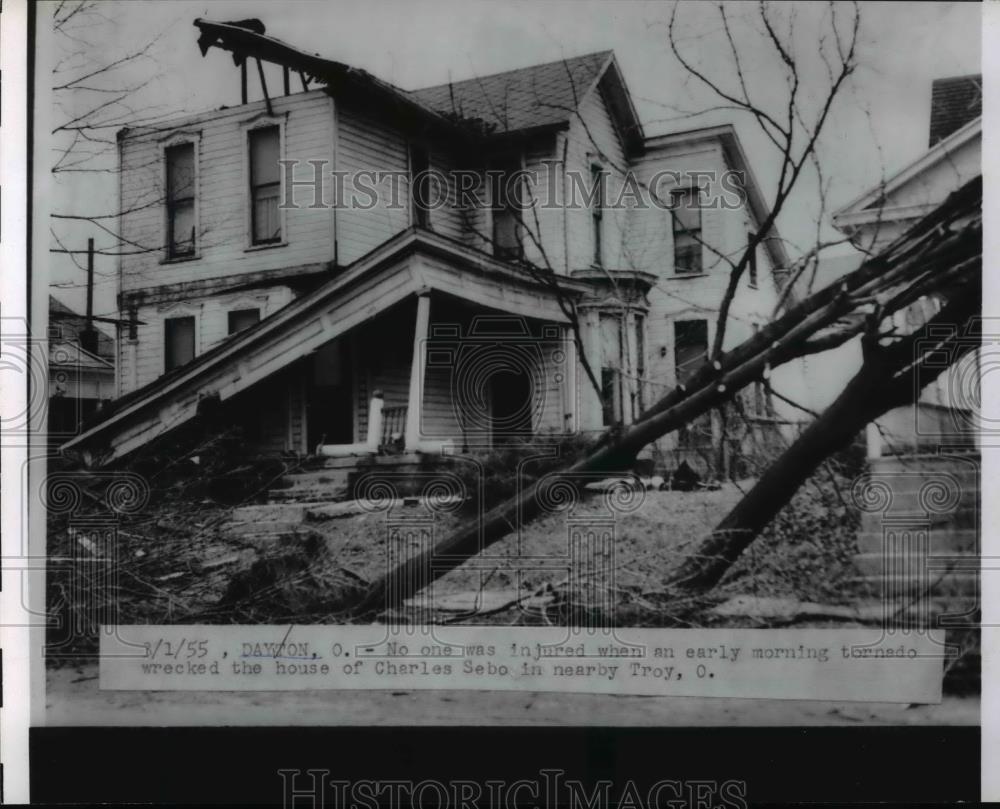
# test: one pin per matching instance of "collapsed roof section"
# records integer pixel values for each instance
(519, 101)
(246, 39)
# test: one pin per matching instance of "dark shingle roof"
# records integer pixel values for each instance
(71, 323)
(540, 95)
(954, 102)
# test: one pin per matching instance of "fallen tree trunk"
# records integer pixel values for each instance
(890, 377)
(941, 250)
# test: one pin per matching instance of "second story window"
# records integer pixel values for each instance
(180, 200)
(265, 185)
(240, 319)
(597, 212)
(420, 164)
(687, 231)
(752, 264)
(178, 336)
(507, 195)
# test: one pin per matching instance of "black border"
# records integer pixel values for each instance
(911, 765)
(908, 765)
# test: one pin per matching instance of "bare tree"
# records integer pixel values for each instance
(98, 88)
(940, 256)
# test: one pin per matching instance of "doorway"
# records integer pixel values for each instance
(510, 406)
(330, 399)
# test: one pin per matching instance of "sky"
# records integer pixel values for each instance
(877, 125)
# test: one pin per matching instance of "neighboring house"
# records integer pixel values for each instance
(882, 214)
(341, 330)
(80, 380)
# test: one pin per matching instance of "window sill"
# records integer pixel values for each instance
(180, 259)
(689, 275)
(254, 248)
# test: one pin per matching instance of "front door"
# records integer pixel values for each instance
(330, 402)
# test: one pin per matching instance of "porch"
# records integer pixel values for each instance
(468, 352)
(433, 374)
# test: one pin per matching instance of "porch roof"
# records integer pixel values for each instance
(414, 261)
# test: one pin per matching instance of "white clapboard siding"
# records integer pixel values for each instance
(222, 195)
(590, 135)
(143, 359)
(365, 144)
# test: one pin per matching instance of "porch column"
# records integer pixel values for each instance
(569, 382)
(873, 440)
(631, 370)
(418, 367)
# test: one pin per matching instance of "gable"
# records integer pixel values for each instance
(930, 186)
(529, 98)
(922, 184)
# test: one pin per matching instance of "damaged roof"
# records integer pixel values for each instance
(527, 98)
(515, 101)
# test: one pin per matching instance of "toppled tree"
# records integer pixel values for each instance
(940, 255)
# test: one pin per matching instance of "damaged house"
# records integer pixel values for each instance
(392, 326)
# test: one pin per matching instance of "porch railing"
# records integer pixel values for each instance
(393, 424)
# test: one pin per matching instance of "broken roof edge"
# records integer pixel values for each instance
(247, 41)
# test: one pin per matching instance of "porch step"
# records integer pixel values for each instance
(305, 495)
(268, 512)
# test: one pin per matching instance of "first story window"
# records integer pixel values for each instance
(265, 185)
(180, 200)
(240, 319)
(611, 367)
(686, 216)
(640, 364)
(178, 335)
(690, 351)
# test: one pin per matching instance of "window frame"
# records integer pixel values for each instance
(419, 216)
(169, 311)
(691, 436)
(598, 173)
(697, 248)
(180, 315)
(639, 335)
(262, 121)
(612, 379)
(181, 138)
(243, 310)
(504, 163)
(752, 267)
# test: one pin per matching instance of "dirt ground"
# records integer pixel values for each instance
(792, 563)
